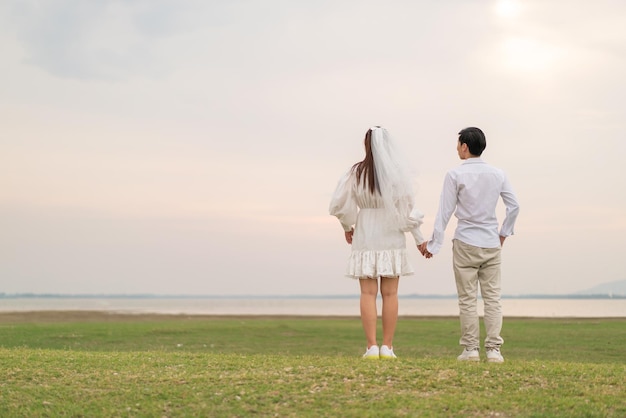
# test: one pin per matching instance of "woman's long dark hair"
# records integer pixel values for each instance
(365, 169)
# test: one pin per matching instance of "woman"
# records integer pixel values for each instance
(374, 204)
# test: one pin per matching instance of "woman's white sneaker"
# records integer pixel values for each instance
(372, 353)
(386, 352)
(469, 354)
(494, 355)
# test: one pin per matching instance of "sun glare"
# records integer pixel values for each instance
(508, 8)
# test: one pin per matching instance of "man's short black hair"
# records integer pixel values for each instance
(475, 140)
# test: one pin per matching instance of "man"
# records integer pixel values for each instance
(471, 191)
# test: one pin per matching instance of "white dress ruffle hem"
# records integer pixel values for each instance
(374, 264)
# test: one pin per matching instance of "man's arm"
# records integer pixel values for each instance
(512, 210)
(447, 205)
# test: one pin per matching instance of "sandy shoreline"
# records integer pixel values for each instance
(111, 316)
(104, 316)
(147, 308)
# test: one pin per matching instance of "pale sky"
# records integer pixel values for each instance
(191, 147)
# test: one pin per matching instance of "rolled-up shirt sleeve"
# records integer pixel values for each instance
(343, 203)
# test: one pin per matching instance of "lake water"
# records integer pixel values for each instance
(545, 308)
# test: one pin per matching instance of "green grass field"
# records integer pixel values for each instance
(94, 364)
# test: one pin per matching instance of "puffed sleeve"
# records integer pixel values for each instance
(418, 218)
(343, 204)
(411, 218)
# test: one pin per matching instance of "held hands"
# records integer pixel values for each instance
(424, 250)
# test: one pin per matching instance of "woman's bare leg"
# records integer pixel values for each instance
(389, 292)
(369, 290)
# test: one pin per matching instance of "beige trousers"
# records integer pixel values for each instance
(473, 266)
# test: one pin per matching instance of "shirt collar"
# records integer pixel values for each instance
(474, 160)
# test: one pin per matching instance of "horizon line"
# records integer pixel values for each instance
(26, 295)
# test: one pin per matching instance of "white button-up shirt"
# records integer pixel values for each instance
(473, 190)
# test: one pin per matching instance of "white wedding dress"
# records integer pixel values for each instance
(378, 249)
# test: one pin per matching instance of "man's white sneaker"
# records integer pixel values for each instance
(372, 353)
(469, 354)
(494, 355)
(386, 352)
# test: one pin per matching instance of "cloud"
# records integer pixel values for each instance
(110, 40)
(125, 38)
